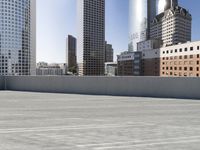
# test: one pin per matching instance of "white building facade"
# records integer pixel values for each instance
(172, 26)
(45, 69)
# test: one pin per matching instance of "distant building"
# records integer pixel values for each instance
(45, 69)
(129, 64)
(71, 54)
(108, 52)
(64, 68)
(148, 44)
(111, 68)
(173, 26)
(91, 37)
(168, 52)
(80, 69)
(182, 60)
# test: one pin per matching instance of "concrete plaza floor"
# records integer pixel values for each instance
(42, 121)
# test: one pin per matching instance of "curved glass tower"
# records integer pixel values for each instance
(141, 12)
(17, 37)
(166, 4)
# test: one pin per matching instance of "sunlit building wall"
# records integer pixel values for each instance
(164, 5)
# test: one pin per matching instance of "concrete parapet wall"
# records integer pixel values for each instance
(2, 83)
(119, 86)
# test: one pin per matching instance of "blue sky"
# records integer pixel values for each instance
(57, 18)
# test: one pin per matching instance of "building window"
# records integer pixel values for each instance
(175, 68)
(185, 57)
(180, 57)
(185, 68)
(175, 50)
(197, 47)
(191, 68)
(167, 52)
(197, 68)
(191, 56)
(191, 48)
(171, 51)
(197, 55)
(197, 62)
(185, 74)
(180, 68)
(185, 49)
(197, 75)
(180, 50)
(185, 62)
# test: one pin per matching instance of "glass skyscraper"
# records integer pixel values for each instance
(141, 13)
(166, 4)
(17, 37)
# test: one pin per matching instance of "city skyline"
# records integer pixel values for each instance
(51, 40)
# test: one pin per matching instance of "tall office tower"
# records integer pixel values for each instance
(108, 52)
(91, 37)
(17, 37)
(172, 26)
(141, 13)
(71, 52)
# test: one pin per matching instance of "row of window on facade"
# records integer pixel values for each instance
(181, 57)
(181, 68)
(180, 74)
(180, 50)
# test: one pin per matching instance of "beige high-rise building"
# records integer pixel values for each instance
(182, 60)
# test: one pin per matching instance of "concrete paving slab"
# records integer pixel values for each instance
(42, 121)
